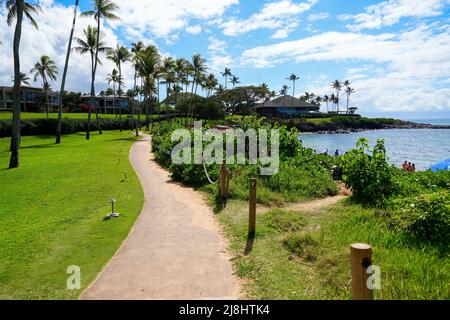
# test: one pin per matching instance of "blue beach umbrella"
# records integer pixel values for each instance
(443, 166)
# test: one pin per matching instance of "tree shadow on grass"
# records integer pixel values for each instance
(122, 139)
(39, 146)
(219, 204)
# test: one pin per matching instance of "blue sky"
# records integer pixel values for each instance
(395, 52)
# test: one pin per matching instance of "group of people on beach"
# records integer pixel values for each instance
(409, 167)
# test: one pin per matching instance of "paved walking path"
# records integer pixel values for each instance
(174, 251)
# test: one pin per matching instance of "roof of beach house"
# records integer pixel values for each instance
(286, 102)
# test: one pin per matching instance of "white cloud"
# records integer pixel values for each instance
(218, 56)
(277, 15)
(318, 16)
(390, 12)
(162, 18)
(412, 62)
(194, 29)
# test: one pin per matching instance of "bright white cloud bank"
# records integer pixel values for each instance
(390, 12)
(415, 62)
(162, 18)
(276, 15)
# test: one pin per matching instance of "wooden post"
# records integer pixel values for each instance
(252, 208)
(361, 256)
(223, 181)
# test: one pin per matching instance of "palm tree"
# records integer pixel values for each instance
(283, 92)
(349, 91)
(91, 45)
(63, 81)
(293, 77)
(167, 73)
(46, 69)
(326, 99)
(136, 49)
(16, 10)
(147, 65)
(181, 75)
(234, 81)
(199, 67)
(227, 73)
(23, 79)
(337, 85)
(114, 78)
(211, 84)
(119, 56)
(102, 9)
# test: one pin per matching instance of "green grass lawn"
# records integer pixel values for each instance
(52, 210)
(306, 255)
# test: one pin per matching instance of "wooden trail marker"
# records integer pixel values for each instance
(224, 181)
(361, 257)
(252, 208)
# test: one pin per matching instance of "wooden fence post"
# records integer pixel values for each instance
(252, 208)
(224, 181)
(361, 256)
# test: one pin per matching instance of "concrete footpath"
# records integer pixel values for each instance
(175, 249)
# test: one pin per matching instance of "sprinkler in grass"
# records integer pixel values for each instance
(112, 214)
(125, 175)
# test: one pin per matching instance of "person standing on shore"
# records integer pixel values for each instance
(405, 166)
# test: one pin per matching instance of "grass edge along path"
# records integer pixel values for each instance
(305, 254)
(52, 210)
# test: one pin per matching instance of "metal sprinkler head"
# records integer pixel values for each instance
(113, 214)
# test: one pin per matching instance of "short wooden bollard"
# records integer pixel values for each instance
(252, 209)
(361, 256)
(224, 180)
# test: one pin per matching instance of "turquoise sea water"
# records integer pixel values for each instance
(424, 147)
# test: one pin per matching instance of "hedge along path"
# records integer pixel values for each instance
(174, 251)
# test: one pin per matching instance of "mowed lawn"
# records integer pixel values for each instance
(52, 210)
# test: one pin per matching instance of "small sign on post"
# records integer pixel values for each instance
(361, 257)
(252, 209)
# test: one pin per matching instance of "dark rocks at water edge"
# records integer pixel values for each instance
(346, 126)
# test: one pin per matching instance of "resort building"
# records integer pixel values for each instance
(31, 99)
(286, 107)
(106, 104)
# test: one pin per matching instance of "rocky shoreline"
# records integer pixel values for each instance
(338, 128)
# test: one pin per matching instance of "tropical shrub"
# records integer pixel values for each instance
(368, 173)
(426, 218)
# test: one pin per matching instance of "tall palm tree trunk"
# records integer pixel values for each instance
(293, 94)
(63, 82)
(95, 71)
(159, 102)
(120, 93)
(348, 101)
(15, 137)
(91, 101)
(47, 102)
(136, 122)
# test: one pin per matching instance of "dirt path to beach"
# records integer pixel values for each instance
(174, 251)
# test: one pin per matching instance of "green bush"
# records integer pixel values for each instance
(426, 218)
(36, 127)
(370, 177)
(302, 174)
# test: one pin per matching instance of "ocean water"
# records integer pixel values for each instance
(432, 121)
(424, 147)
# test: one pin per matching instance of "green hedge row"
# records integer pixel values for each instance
(48, 126)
